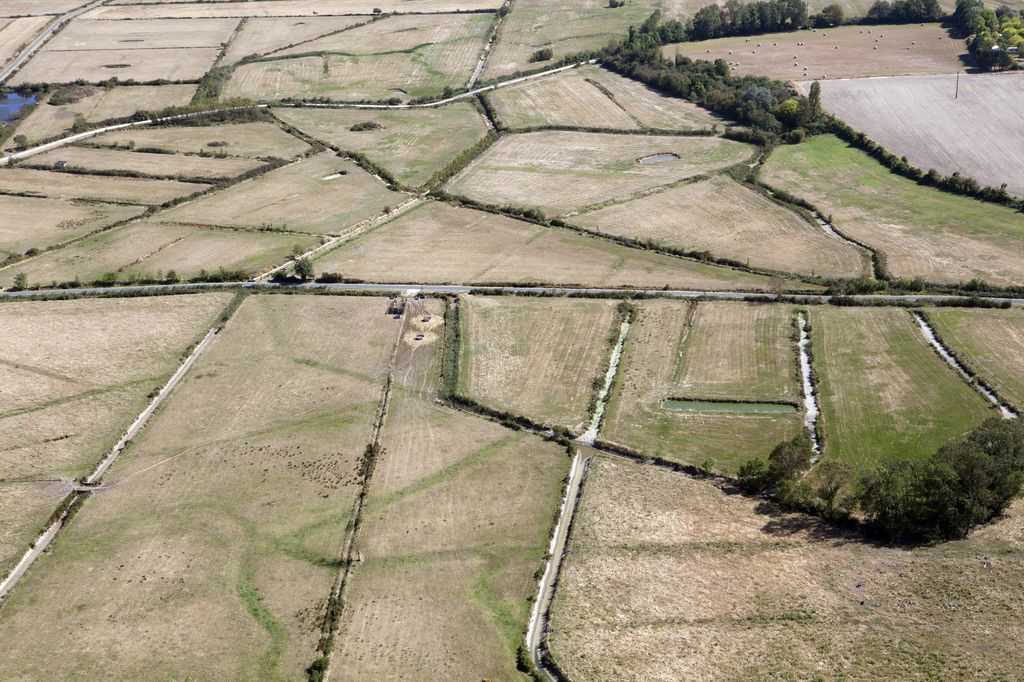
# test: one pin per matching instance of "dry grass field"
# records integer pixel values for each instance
(923, 232)
(259, 140)
(153, 249)
(722, 351)
(841, 52)
(593, 97)
(100, 104)
(977, 134)
(991, 343)
(884, 392)
(439, 243)
(151, 164)
(282, 8)
(557, 171)
(214, 549)
(24, 8)
(260, 36)
(728, 220)
(37, 223)
(16, 33)
(319, 195)
(73, 375)
(56, 185)
(384, 59)
(411, 144)
(668, 578)
(536, 356)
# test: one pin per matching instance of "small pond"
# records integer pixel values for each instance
(658, 158)
(11, 103)
(729, 408)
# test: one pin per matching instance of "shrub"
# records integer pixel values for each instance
(542, 55)
(365, 125)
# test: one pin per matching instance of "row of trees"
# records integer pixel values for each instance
(995, 35)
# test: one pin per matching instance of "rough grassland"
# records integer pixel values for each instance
(991, 343)
(411, 144)
(536, 356)
(444, 244)
(102, 104)
(862, 51)
(978, 134)
(22, 8)
(259, 36)
(153, 249)
(285, 8)
(884, 392)
(212, 553)
(730, 221)
(137, 191)
(73, 375)
(259, 140)
(556, 171)
(668, 578)
(298, 197)
(167, 165)
(456, 524)
(31, 223)
(923, 232)
(14, 33)
(732, 351)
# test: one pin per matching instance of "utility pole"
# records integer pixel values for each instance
(957, 95)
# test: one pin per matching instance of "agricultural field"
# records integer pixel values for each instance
(884, 392)
(24, 8)
(990, 343)
(411, 144)
(15, 33)
(439, 243)
(592, 97)
(556, 172)
(258, 140)
(350, 66)
(322, 194)
(743, 353)
(975, 132)
(99, 104)
(152, 250)
(667, 577)
(728, 220)
(60, 185)
(922, 232)
(38, 223)
(283, 8)
(267, 35)
(71, 387)
(93, 159)
(537, 357)
(836, 53)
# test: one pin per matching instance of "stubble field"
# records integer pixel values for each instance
(283, 8)
(150, 164)
(38, 223)
(259, 140)
(265, 35)
(58, 185)
(14, 33)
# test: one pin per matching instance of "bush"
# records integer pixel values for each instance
(365, 125)
(542, 55)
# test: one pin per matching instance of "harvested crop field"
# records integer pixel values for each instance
(424, 62)
(37, 223)
(213, 550)
(840, 52)
(593, 97)
(990, 343)
(922, 232)
(15, 33)
(283, 8)
(731, 221)
(556, 171)
(260, 36)
(977, 134)
(140, 191)
(439, 243)
(537, 357)
(411, 144)
(258, 140)
(667, 578)
(100, 104)
(319, 195)
(719, 351)
(151, 164)
(149, 249)
(24, 8)
(69, 387)
(884, 392)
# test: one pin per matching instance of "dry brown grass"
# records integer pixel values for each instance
(535, 356)
(282, 8)
(728, 220)
(167, 165)
(259, 36)
(140, 191)
(15, 33)
(31, 223)
(444, 244)
(21, 8)
(862, 51)
(297, 197)
(669, 578)
(214, 549)
(557, 172)
(258, 140)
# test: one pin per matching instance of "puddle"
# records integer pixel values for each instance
(658, 158)
(590, 435)
(728, 408)
(807, 385)
(11, 105)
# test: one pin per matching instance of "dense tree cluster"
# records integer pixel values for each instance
(904, 11)
(995, 36)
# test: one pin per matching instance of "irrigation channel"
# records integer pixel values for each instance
(811, 410)
(590, 435)
(971, 379)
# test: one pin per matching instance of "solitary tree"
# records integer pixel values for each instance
(814, 99)
(21, 281)
(304, 269)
